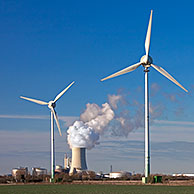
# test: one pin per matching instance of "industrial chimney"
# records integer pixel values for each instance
(78, 160)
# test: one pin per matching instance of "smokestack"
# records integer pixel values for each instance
(67, 162)
(110, 168)
(78, 160)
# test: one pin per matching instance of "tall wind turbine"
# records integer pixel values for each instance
(146, 61)
(51, 105)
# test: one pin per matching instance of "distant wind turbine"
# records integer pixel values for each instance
(51, 105)
(146, 61)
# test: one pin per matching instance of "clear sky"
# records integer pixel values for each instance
(45, 45)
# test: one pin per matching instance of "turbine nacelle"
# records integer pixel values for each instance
(51, 104)
(146, 61)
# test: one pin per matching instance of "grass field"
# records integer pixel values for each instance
(96, 189)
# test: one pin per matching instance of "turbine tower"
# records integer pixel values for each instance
(51, 105)
(146, 61)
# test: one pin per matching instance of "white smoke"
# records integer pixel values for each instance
(97, 117)
(118, 117)
(94, 119)
(81, 135)
(114, 99)
(126, 121)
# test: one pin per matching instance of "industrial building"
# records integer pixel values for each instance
(122, 174)
(78, 160)
(59, 169)
(19, 173)
(67, 162)
(39, 171)
(189, 175)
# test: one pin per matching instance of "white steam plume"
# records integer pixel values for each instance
(118, 117)
(97, 117)
(81, 135)
(114, 99)
(94, 119)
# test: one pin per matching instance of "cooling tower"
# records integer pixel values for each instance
(78, 160)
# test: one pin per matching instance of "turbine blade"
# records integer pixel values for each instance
(56, 119)
(166, 74)
(126, 70)
(61, 93)
(148, 36)
(34, 100)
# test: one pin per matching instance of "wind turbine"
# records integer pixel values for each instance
(51, 105)
(146, 61)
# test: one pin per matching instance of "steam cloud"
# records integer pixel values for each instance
(118, 117)
(113, 117)
(81, 135)
(94, 119)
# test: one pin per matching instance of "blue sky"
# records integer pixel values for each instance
(46, 45)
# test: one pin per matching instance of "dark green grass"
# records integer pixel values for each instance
(96, 189)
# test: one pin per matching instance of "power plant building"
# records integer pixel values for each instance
(59, 169)
(18, 173)
(78, 160)
(67, 162)
(121, 174)
(39, 171)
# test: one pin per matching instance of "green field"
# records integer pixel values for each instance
(96, 189)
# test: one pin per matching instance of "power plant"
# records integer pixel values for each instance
(78, 162)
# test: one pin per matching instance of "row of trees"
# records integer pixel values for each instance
(24, 179)
(88, 175)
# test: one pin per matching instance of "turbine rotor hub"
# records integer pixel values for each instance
(52, 104)
(146, 61)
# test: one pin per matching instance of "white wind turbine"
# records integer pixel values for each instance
(51, 105)
(146, 61)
